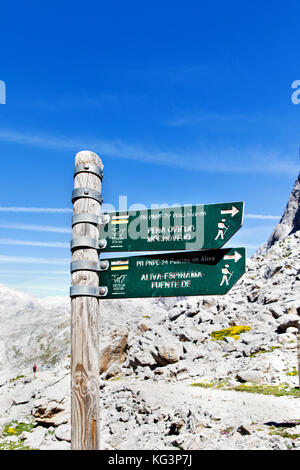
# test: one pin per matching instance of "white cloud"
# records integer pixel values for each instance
(219, 159)
(32, 260)
(9, 241)
(37, 209)
(37, 228)
(213, 120)
(33, 288)
(262, 216)
(246, 245)
(22, 272)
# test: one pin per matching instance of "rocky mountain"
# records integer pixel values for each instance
(173, 374)
(290, 220)
(38, 330)
(32, 329)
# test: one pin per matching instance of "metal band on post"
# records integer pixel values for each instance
(84, 242)
(90, 218)
(86, 265)
(88, 291)
(86, 218)
(89, 168)
(86, 192)
(88, 242)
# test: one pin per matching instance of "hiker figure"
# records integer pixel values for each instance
(221, 227)
(34, 369)
(225, 273)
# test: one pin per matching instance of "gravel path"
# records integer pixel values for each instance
(231, 406)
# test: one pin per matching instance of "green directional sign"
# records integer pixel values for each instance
(196, 227)
(207, 272)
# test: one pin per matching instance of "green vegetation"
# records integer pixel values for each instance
(9, 445)
(233, 332)
(16, 378)
(292, 372)
(215, 384)
(276, 390)
(264, 389)
(281, 431)
(203, 384)
(266, 351)
(15, 429)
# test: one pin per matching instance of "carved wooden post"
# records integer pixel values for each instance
(85, 303)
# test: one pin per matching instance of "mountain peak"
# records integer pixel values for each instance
(290, 220)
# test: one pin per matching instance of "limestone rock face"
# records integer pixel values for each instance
(51, 414)
(113, 351)
(168, 351)
(290, 220)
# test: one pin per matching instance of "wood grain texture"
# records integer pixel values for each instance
(84, 323)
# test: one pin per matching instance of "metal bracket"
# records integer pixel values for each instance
(104, 219)
(85, 218)
(88, 291)
(86, 265)
(84, 242)
(86, 192)
(104, 265)
(103, 291)
(88, 242)
(89, 168)
(102, 244)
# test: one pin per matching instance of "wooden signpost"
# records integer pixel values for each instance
(84, 324)
(200, 268)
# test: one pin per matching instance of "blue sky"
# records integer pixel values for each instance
(185, 102)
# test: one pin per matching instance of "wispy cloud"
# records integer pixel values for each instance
(38, 277)
(36, 209)
(32, 288)
(53, 229)
(219, 159)
(249, 246)
(36, 228)
(33, 260)
(10, 241)
(22, 272)
(201, 118)
(262, 216)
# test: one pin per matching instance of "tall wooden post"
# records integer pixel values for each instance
(85, 303)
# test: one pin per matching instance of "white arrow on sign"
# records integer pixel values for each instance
(233, 211)
(236, 256)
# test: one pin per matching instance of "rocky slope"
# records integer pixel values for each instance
(173, 373)
(151, 351)
(290, 220)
